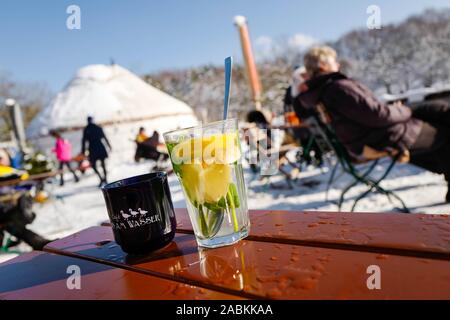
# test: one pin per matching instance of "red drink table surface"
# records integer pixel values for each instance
(288, 255)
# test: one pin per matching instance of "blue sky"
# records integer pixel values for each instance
(147, 36)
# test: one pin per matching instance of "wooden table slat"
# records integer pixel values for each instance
(40, 275)
(256, 269)
(406, 234)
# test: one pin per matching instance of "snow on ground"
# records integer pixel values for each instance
(76, 206)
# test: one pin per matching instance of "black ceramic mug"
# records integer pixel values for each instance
(141, 212)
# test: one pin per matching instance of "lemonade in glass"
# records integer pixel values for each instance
(207, 161)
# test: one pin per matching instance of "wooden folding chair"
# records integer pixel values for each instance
(320, 126)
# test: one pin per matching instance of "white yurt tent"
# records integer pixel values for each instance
(118, 100)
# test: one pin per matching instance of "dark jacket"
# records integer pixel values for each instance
(94, 136)
(358, 117)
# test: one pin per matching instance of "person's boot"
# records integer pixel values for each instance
(76, 178)
(447, 197)
(61, 182)
(102, 182)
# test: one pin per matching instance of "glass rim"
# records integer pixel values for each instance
(134, 180)
(210, 124)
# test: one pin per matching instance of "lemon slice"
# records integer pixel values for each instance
(188, 152)
(205, 165)
(205, 184)
(192, 182)
(216, 179)
(219, 148)
(223, 149)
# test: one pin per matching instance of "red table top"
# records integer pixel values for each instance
(288, 255)
(403, 234)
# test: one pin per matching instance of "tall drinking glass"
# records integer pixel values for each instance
(207, 161)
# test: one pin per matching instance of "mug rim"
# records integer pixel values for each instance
(134, 180)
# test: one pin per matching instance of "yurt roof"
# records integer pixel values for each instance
(110, 94)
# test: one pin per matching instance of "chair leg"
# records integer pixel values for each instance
(372, 184)
(405, 208)
(376, 185)
(341, 198)
(358, 179)
(307, 149)
(287, 178)
(389, 193)
(330, 180)
(370, 169)
(385, 192)
(5, 248)
(361, 196)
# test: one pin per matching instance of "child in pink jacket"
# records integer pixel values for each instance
(63, 150)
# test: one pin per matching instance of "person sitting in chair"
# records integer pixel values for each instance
(147, 147)
(311, 152)
(141, 136)
(368, 127)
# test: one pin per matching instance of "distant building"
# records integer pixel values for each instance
(118, 100)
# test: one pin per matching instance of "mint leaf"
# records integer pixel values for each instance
(177, 169)
(222, 203)
(212, 206)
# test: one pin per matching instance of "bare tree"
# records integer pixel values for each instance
(31, 96)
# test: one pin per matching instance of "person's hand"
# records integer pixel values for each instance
(403, 156)
(397, 104)
(373, 154)
(303, 87)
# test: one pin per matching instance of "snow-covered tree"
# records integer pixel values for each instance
(393, 59)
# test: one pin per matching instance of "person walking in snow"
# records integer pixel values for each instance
(95, 138)
(63, 151)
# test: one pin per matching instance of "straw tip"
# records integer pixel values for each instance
(240, 20)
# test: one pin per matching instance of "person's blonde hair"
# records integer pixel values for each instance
(317, 56)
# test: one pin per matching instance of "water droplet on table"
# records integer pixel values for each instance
(102, 243)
